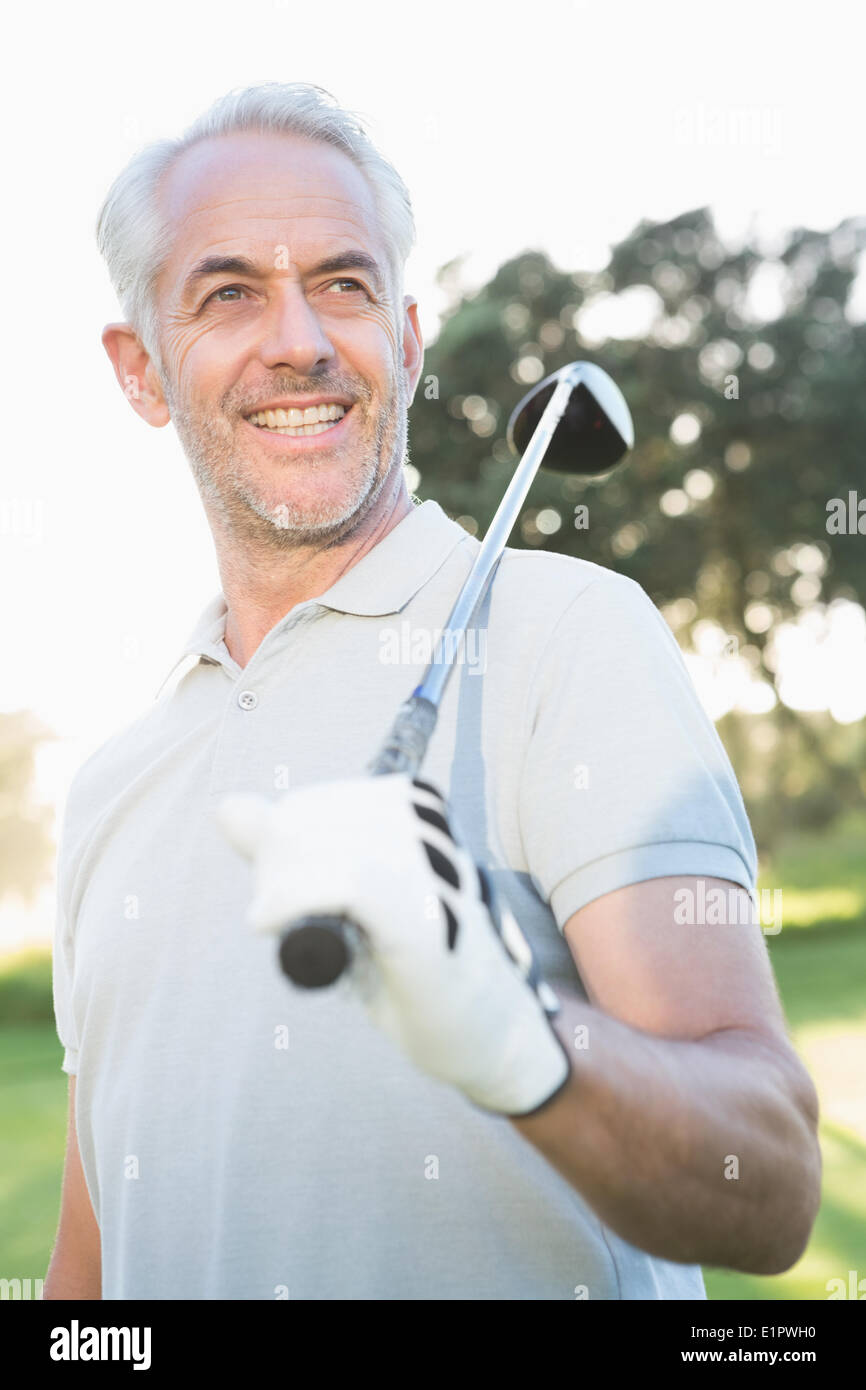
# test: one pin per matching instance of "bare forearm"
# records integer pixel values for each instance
(698, 1151)
(70, 1278)
(75, 1269)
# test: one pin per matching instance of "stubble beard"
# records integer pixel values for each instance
(224, 474)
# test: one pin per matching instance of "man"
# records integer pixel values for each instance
(424, 1130)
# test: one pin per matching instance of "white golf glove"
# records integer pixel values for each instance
(448, 975)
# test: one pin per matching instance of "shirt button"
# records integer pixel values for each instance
(248, 699)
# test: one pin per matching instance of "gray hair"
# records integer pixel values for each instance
(131, 233)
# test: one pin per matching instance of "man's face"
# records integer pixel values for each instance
(277, 294)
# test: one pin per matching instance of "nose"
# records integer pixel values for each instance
(293, 334)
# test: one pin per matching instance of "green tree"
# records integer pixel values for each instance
(746, 427)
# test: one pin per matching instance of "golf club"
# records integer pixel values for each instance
(576, 421)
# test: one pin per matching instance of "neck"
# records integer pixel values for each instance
(259, 590)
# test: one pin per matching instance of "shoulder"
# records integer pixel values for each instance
(107, 772)
(557, 593)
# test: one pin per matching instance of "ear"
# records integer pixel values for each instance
(413, 346)
(242, 818)
(138, 377)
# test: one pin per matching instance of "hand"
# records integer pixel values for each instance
(449, 976)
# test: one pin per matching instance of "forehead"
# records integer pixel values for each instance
(265, 189)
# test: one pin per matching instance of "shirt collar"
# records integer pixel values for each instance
(382, 582)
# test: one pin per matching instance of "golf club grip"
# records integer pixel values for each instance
(315, 951)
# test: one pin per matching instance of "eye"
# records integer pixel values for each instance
(227, 289)
(355, 284)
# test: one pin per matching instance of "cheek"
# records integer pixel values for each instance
(382, 349)
(198, 370)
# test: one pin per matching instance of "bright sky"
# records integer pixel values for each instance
(556, 127)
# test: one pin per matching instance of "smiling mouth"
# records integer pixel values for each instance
(315, 419)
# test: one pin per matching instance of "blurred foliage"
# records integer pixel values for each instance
(795, 769)
(746, 426)
(25, 987)
(26, 844)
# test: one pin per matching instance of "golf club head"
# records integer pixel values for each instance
(596, 430)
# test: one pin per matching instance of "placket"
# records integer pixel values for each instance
(247, 754)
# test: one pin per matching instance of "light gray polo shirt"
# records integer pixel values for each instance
(244, 1140)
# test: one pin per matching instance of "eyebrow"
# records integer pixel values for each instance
(239, 265)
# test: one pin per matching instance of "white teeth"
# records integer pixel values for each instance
(320, 428)
(293, 421)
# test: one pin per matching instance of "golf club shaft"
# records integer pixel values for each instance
(500, 528)
(315, 950)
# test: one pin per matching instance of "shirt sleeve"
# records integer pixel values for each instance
(625, 777)
(63, 966)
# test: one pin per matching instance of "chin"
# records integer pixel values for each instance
(313, 514)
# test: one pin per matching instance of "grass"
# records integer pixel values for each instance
(819, 959)
(822, 981)
(821, 876)
(33, 1093)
